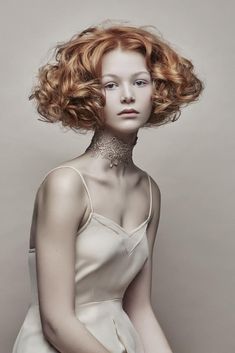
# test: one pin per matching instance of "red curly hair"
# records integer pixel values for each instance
(69, 90)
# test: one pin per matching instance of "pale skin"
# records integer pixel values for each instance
(62, 207)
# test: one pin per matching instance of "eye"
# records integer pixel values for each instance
(140, 82)
(109, 85)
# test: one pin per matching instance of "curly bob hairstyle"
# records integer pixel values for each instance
(70, 91)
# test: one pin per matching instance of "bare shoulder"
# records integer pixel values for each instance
(61, 179)
(155, 189)
(156, 203)
(62, 184)
(60, 196)
(156, 193)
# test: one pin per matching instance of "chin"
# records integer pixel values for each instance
(127, 129)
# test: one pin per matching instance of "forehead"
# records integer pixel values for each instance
(121, 62)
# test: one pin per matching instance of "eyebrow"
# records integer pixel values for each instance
(136, 73)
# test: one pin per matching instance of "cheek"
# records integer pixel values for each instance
(145, 93)
(144, 98)
(110, 99)
(110, 105)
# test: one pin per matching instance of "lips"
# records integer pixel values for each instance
(128, 111)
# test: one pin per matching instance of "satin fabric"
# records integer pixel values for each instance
(107, 260)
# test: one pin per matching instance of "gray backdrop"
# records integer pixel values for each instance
(192, 160)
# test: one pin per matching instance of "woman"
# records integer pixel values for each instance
(96, 216)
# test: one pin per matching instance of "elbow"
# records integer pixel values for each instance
(50, 331)
(55, 329)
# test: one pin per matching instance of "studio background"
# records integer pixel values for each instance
(192, 160)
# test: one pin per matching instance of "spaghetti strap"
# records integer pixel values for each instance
(150, 196)
(81, 176)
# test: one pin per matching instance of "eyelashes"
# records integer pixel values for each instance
(111, 84)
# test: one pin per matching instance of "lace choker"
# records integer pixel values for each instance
(111, 147)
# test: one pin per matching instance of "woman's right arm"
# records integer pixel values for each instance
(60, 203)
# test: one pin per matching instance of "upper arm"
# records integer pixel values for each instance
(138, 294)
(60, 207)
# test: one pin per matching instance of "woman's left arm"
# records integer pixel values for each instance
(137, 298)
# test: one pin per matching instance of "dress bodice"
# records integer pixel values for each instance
(107, 259)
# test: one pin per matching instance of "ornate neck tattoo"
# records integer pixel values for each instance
(111, 147)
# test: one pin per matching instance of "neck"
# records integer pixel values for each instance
(111, 148)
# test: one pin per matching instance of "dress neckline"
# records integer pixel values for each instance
(103, 219)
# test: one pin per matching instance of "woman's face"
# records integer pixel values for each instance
(126, 84)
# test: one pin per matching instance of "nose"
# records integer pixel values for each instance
(127, 96)
(128, 99)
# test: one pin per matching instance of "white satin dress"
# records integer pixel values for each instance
(107, 260)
